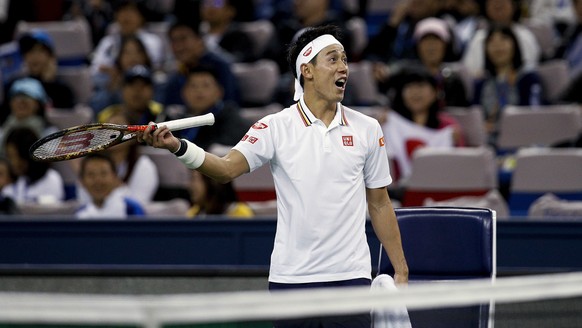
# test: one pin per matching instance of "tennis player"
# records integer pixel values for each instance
(329, 165)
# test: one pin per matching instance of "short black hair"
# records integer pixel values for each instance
(195, 27)
(308, 35)
(97, 156)
(208, 69)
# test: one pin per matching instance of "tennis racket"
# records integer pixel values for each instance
(84, 139)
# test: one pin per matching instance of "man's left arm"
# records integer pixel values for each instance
(386, 228)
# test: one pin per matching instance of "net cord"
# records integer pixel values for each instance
(153, 311)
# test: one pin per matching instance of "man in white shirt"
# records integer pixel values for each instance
(328, 162)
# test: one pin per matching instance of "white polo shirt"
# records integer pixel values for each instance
(320, 176)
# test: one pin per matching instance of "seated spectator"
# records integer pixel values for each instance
(434, 49)
(464, 18)
(137, 94)
(508, 81)
(501, 12)
(554, 13)
(39, 62)
(416, 121)
(7, 204)
(571, 46)
(203, 94)
(136, 171)
(129, 16)
(395, 40)
(107, 198)
(27, 101)
(189, 50)
(97, 13)
(222, 33)
(209, 197)
(108, 82)
(34, 182)
(306, 13)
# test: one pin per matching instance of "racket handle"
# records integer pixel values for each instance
(189, 122)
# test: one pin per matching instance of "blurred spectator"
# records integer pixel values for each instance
(137, 93)
(434, 49)
(464, 18)
(189, 50)
(11, 12)
(107, 198)
(187, 11)
(222, 34)
(501, 12)
(395, 40)
(306, 13)
(571, 47)
(137, 173)
(508, 81)
(6, 176)
(98, 13)
(7, 204)
(27, 105)
(554, 13)
(40, 62)
(109, 81)
(35, 182)
(416, 121)
(136, 170)
(209, 197)
(129, 17)
(203, 94)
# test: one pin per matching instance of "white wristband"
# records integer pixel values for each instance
(193, 157)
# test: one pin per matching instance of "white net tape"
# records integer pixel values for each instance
(155, 311)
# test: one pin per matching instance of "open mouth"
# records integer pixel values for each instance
(341, 83)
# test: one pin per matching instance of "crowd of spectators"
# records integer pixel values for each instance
(426, 56)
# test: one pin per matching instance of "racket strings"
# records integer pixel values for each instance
(77, 142)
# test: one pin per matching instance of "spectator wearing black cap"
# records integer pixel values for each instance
(130, 20)
(222, 33)
(107, 82)
(27, 102)
(202, 94)
(137, 93)
(40, 62)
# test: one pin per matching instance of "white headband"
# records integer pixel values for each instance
(307, 54)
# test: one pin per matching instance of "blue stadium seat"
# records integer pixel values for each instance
(447, 243)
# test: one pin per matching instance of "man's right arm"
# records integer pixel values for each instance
(222, 169)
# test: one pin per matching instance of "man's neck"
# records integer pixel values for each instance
(321, 109)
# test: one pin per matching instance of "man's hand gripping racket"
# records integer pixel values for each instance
(89, 138)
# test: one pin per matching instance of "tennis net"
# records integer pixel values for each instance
(551, 300)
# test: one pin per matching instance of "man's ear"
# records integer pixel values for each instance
(307, 71)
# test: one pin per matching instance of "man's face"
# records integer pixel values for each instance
(217, 12)
(129, 20)
(186, 45)
(330, 73)
(99, 179)
(137, 94)
(201, 92)
(500, 11)
(37, 60)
